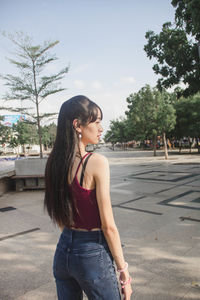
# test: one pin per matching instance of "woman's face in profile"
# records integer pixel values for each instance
(91, 133)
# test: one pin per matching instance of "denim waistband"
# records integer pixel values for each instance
(72, 234)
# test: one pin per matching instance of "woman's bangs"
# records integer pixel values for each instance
(93, 113)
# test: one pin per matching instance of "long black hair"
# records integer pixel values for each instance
(58, 201)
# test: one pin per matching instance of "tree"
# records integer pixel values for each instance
(31, 83)
(5, 133)
(166, 117)
(139, 114)
(117, 132)
(49, 135)
(2, 127)
(176, 48)
(188, 121)
(19, 134)
(151, 114)
(23, 133)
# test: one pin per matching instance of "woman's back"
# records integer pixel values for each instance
(86, 214)
(88, 179)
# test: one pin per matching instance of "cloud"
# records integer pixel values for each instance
(128, 80)
(80, 68)
(79, 84)
(97, 85)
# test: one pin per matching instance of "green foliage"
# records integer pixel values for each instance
(117, 132)
(49, 135)
(19, 134)
(5, 132)
(188, 16)
(150, 113)
(188, 120)
(2, 127)
(24, 133)
(31, 83)
(176, 48)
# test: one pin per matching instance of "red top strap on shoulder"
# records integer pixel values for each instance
(81, 162)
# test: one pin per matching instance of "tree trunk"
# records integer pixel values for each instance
(190, 145)
(165, 145)
(37, 110)
(24, 149)
(180, 145)
(17, 150)
(154, 145)
(39, 130)
(198, 146)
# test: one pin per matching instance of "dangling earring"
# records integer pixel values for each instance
(80, 135)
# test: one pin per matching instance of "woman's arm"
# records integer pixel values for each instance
(102, 180)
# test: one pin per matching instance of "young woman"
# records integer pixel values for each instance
(77, 199)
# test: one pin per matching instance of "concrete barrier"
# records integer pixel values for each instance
(30, 166)
(29, 173)
(6, 183)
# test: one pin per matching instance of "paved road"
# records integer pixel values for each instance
(156, 205)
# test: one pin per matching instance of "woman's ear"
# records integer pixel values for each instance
(76, 125)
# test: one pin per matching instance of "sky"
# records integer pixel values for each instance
(102, 41)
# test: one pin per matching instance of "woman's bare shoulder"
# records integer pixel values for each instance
(99, 158)
(99, 165)
(98, 162)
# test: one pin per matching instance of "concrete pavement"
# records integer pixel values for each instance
(156, 204)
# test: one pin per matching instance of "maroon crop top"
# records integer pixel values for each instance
(87, 214)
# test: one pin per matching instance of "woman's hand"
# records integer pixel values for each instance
(126, 288)
(127, 291)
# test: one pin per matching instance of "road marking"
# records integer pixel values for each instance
(7, 208)
(19, 233)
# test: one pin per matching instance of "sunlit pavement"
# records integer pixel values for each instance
(156, 205)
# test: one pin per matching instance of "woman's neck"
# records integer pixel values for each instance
(81, 149)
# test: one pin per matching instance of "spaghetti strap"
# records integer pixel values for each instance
(83, 169)
(80, 163)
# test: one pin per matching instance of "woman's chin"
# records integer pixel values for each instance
(94, 142)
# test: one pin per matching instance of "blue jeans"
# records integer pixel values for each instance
(83, 262)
